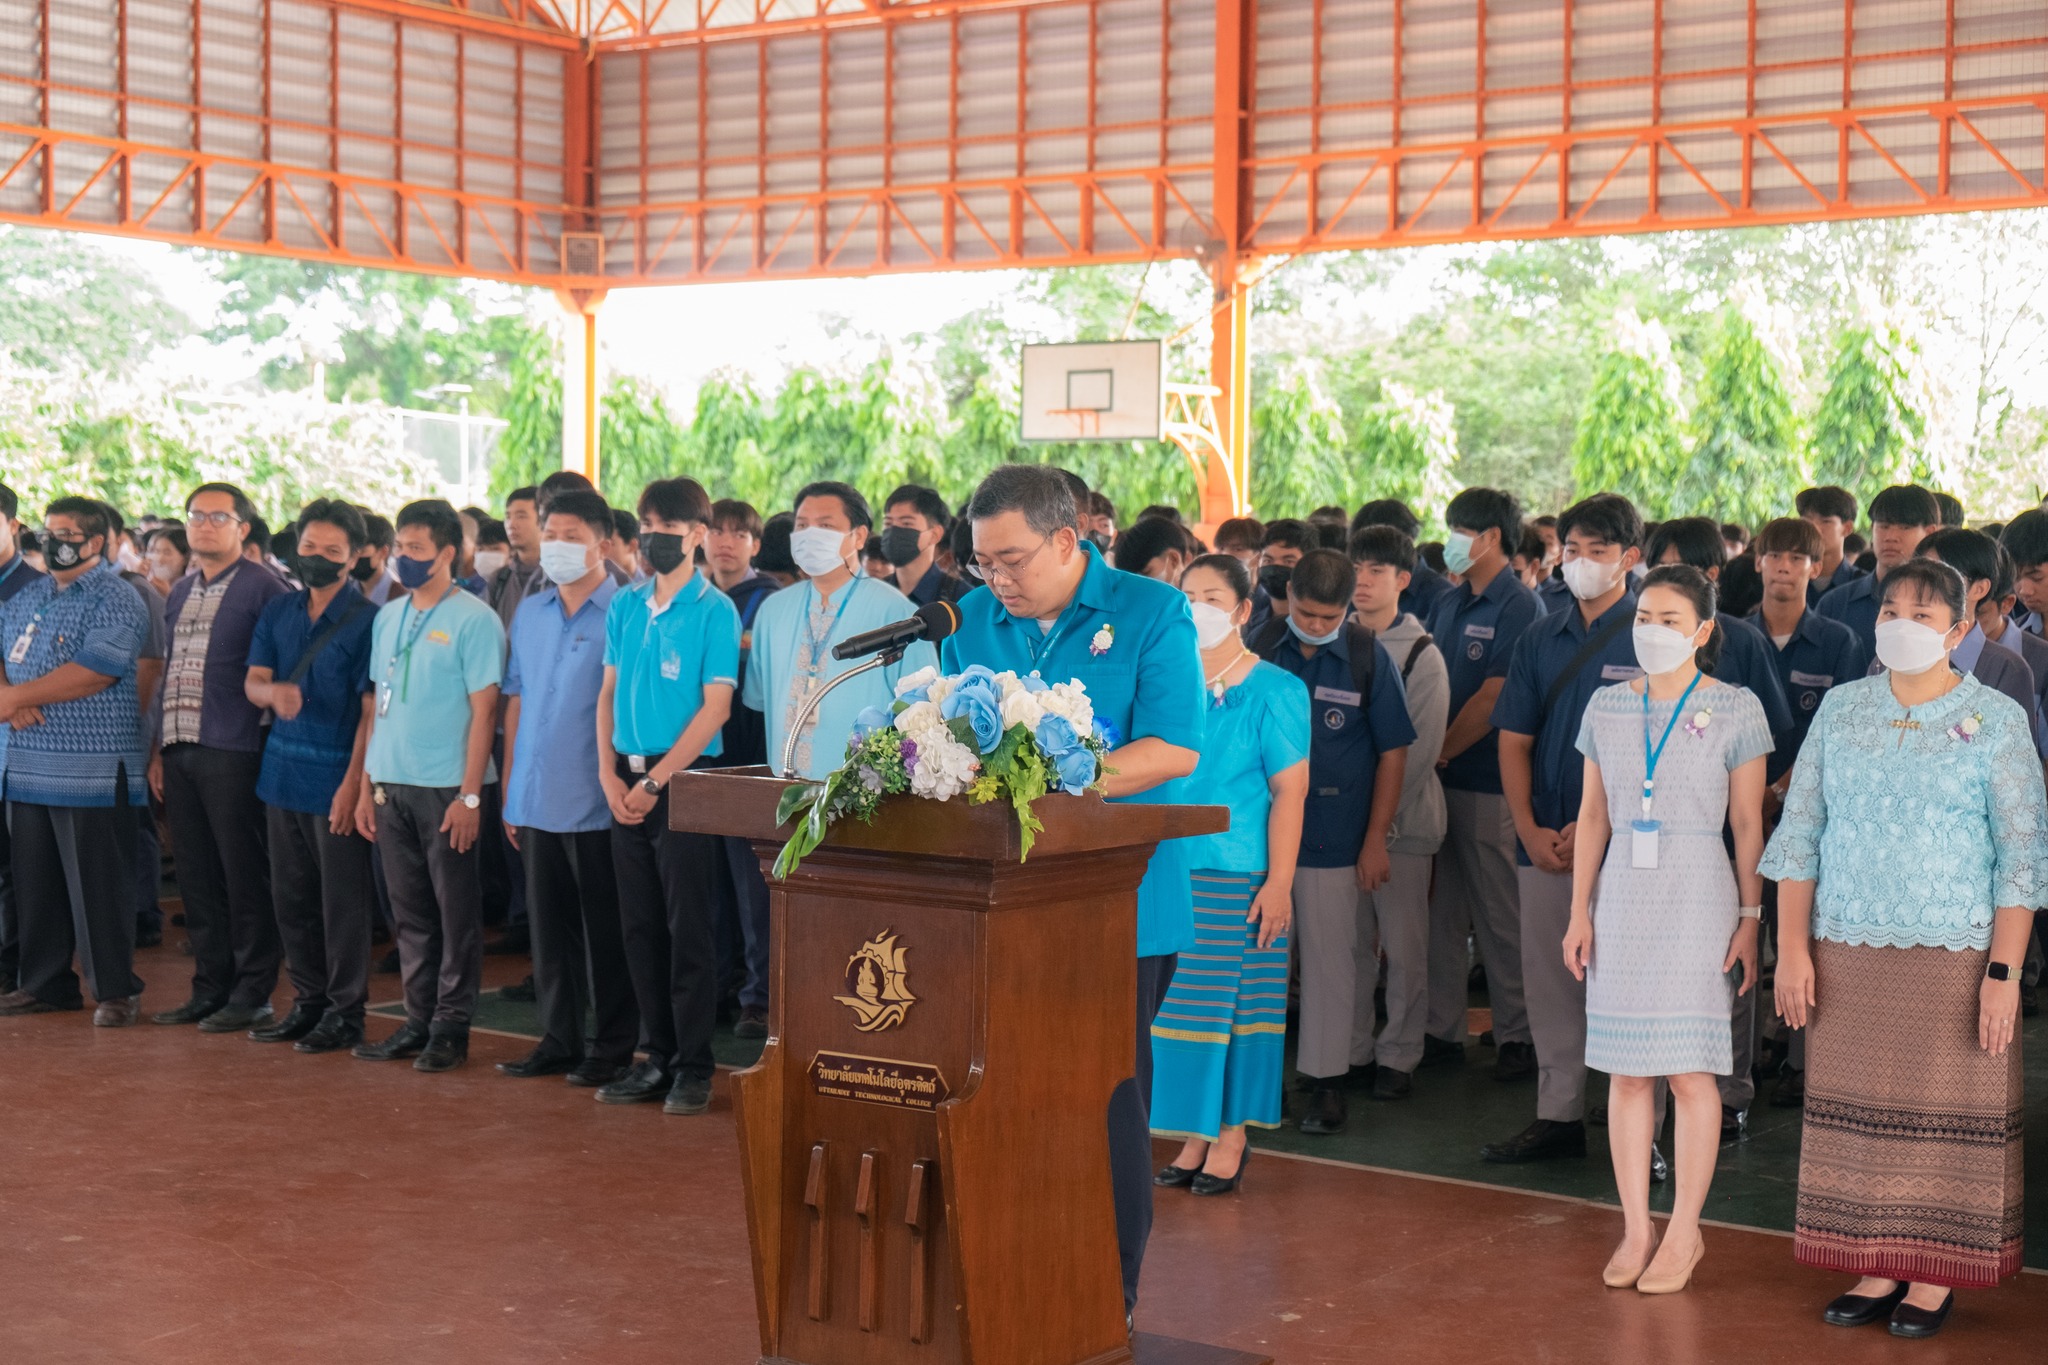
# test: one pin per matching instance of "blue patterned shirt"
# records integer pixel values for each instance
(77, 755)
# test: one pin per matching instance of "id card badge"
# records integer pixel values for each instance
(383, 699)
(19, 654)
(1643, 843)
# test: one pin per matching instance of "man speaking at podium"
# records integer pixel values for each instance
(1055, 608)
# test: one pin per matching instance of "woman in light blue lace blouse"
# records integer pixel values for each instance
(1911, 851)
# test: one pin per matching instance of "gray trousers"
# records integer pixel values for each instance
(1339, 932)
(1557, 1001)
(436, 907)
(1475, 887)
(1738, 1088)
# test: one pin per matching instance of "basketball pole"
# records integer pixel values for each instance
(1226, 488)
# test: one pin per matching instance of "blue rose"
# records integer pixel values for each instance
(1076, 769)
(983, 709)
(913, 697)
(871, 719)
(1033, 683)
(1055, 736)
(975, 673)
(1107, 733)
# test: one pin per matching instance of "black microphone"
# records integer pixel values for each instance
(934, 621)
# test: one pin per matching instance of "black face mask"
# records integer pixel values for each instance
(316, 571)
(362, 571)
(1273, 578)
(899, 544)
(662, 550)
(66, 554)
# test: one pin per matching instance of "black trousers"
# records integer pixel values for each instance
(217, 827)
(436, 906)
(322, 885)
(579, 946)
(668, 896)
(1130, 1131)
(10, 924)
(74, 892)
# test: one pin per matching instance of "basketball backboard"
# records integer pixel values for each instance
(1094, 391)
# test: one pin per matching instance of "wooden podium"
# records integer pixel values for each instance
(924, 1140)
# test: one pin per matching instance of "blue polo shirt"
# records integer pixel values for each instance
(433, 662)
(1131, 642)
(1746, 662)
(1540, 657)
(666, 657)
(1476, 633)
(1821, 654)
(1855, 605)
(306, 757)
(1347, 735)
(555, 666)
(76, 755)
(18, 574)
(1845, 572)
(1426, 587)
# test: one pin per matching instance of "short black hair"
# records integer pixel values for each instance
(1951, 509)
(732, 514)
(1099, 504)
(560, 482)
(1788, 536)
(625, 526)
(1905, 504)
(677, 499)
(2026, 538)
(1388, 512)
(285, 543)
(1828, 500)
(1324, 577)
(1487, 509)
(526, 494)
(1603, 516)
(89, 513)
(1383, 544)
(589, 508)
(1164, 511)
(1229, 567)
(1930, 580)
(1697, 540)
(773, 556)
(490, 531)
(1735, 531)
(857, 510)
(342, 516)
(439, 518)
(1144, 540)
(259, 530)
(1854, 545)
(377, 529)
(1694, 586)
(1290, 534)
(244, 509)
(10, 503)
(1084, 500)
(1242, 531)
(926, 502)
(1972, 554)
(1040, 493)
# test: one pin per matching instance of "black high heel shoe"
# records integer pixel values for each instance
(1204, 1183)
(1172, 1177)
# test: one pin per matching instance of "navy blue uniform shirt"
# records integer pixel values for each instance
(1347, 735)
(1746, 662)
(1855, 605)
(1477, 634)
(1821, 654)
(1425, 587)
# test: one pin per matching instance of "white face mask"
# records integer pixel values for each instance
(1660, 649)
(564, 561)
(1212, 624)
(489, 562)
(816, 550)
(126, 560)
(1589, 578)
(1909, 647)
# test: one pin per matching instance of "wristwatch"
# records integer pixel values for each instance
(650, 786)
(1998, 971)
(470, 800)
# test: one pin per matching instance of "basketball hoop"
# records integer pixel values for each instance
(1087, 422)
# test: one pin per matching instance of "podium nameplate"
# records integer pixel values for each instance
(878, 1080)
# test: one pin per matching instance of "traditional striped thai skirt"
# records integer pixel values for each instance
(1217, 1043)
(1910, 1164)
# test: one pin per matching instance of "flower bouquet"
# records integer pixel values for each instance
(992, 736)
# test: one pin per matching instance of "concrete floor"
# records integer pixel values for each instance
(170, 1197)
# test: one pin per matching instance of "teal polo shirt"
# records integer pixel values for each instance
(1145, 683)
(421, 737)
(666, 658)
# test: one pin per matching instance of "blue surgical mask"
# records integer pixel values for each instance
(413, 573)
(1458, 552)
(1308, 639)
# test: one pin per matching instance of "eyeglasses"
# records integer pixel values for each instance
(1004, 566)
(212, 518)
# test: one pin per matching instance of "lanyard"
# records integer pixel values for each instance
(1650, 756)
(404, 655)
(1039, 643)
(813, 643)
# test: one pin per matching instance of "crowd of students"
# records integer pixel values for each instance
(1547, 752)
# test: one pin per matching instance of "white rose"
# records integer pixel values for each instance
(941, 689)
(910, 682)
(918, 717)
(1022, 708)
(1009, 685)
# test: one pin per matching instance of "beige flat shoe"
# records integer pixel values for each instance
(1671, 1284)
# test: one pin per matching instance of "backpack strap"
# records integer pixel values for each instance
(1268, 638)
(1423, 642)
(1365, 660)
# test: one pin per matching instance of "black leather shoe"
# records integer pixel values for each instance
(1393, 1085)
(22, 1002)
(1860, 1310)
(1790, 1091)
(1660, 1169)
(149, 938)
(1514, 1062)
(409, 1041)
(1734, 1124)
(689, 1095)
(1326, 1111)
(1172, 1177)
(1436, 1051)
(538, 1063)
(1908, 1321)
(523, 992)
(1206, 1184)
(1543, 1140)
(333, 1035)
(753, 1022)
(444, 1052)
(646, 1081)
(235, 1018)
(387, 964)
(294, 1026)
(191, 1012)
(595, 1071)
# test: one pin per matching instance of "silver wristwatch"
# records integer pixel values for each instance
(650, 786)
(470, 800)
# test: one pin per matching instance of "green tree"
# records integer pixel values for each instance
(1298, 447)
(1407, 447)
(1746, 457)
(67, 304)
(530, 447)
(1868, 432)
(639, 440)
(1630, 437)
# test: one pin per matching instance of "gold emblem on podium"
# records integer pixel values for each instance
(875, 984)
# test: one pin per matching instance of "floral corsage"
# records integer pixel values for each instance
(1104, 638)
(1966, 729)
(1697, 726)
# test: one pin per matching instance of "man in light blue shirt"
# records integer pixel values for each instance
(671, 661)
(795, 631)
(437, 655)
(556, 814)
(1053, 606)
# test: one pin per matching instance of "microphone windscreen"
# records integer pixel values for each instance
(940, 619)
